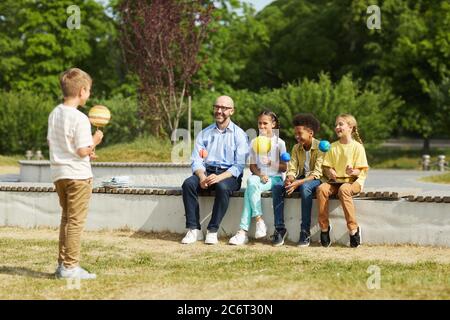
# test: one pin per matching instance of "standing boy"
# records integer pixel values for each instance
(71, 148)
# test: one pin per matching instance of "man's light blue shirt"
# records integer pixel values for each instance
(227, 149)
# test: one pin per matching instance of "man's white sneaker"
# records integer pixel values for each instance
(211, 238)
(239, 239)
(193, 235)
(261, 229)
(75, 273)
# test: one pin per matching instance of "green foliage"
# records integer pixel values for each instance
(24, 121)
(36, 45)
(125, 125)
(374, 110)
(24, 117)
(230, 45)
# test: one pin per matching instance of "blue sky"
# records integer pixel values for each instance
(259, 4)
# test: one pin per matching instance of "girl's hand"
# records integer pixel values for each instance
(352, 172)
(264, 179)
(265, 161)
(332, 174)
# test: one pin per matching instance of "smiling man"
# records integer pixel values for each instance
(220, 168)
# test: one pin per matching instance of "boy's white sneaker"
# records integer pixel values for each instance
(75, 273)
(239, 239)
(192, 236)
(211, 238)
(261, 229)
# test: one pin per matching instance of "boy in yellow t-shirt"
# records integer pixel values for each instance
(345, 166)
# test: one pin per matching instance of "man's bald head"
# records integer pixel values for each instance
(224, 101)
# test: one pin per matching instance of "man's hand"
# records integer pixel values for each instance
(264, 179)
(97, 137)
(293, 186)
(213, 179)
(203, 183)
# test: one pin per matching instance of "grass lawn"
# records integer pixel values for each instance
(400, 158)
(140, 150)
(155, 266)
(9, 164)
(151, 149)
(440, 178)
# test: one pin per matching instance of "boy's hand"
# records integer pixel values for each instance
(97, 137)
(203, 184)
(293, 186)
(264, 179)
(288, 181)
(93, 156)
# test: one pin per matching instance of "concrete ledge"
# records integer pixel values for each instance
(382, 221)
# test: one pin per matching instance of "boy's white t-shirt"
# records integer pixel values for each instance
(68, 130)
(278, 147)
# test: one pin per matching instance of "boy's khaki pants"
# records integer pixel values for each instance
(345, 192)
(74, 196)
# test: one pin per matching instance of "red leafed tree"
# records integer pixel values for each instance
(161, 40)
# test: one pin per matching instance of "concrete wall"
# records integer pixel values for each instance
(141, 174)
(382, 222)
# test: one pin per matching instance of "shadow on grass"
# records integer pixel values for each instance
(19, 271)
(168, 236)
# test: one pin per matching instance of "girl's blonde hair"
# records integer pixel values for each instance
(351, 121)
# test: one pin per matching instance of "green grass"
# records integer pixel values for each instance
(403, 158)
(155, 266)
(151, 149)
(10, 161)
(440, 178)
(144, 149)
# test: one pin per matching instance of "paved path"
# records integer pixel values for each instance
(405, 181)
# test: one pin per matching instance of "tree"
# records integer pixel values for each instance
(229, 47)
(161, 40)
(412, 54)
(36, 45)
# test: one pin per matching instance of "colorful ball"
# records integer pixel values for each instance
(99, 116)
(324, 145)
(203, 153)
(262, 145)
(286, 157)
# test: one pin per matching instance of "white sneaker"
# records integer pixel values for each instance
(239, 239)
(261, 229)
(211, 238)
(192, 236)
(75, 273)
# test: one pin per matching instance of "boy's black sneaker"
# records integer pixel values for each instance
(278, 237)
(305, 239)
(356, 239)
(325, 237)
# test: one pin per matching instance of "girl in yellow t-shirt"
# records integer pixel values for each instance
(345, 168)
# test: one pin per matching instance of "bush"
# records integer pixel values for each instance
(23, 118)
(124, 125)
(375, 111)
